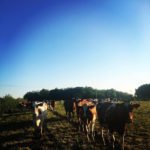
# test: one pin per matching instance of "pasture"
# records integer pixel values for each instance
(17, 132)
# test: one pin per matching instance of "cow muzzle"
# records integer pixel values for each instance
(130, 120)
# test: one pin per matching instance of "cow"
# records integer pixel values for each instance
(116, 116)
(40, 116)
(101, 113)
(24, 105)
(52, 105)
(86, 113)
(70, 108)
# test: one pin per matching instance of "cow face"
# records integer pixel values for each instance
(82, 111)
(86, 111)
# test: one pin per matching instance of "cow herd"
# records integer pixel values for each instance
(112, 117)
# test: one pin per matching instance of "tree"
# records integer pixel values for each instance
(32, 96)
(143, 92)
(44, 94)
(56, 94)
(8, 104)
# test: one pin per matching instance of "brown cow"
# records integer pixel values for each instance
(116, 116)
(23, 105)
(86, 112)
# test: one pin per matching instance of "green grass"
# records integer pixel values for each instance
(17, 132)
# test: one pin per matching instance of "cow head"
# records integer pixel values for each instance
(84, 111)
(130, 109)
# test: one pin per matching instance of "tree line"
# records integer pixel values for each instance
(77, 92)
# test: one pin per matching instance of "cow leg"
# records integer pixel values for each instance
(72, 114)
(79, 126)
(66, 114)
(122, 142)
(50, 107)
(113, 140)
(84, 128)
(45, 126)
(87, 132)
(41, 130)
(69, 117)
(89, 127)
(93, 135)
(104, 142)
(109, 136)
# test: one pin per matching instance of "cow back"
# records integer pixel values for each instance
(116, 114)
(101, 111)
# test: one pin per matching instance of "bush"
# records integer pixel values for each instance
(8, 105)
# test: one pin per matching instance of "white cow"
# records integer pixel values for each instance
(40, 113)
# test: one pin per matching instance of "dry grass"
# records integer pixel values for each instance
(17, 132)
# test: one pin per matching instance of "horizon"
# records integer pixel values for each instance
(55, 44)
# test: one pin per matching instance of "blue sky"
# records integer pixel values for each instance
(58, 44)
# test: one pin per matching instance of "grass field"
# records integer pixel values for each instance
(17, 132)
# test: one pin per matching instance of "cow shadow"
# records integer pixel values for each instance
(98, 143)
(73, 121)
(58, 115)
(75, 124)
(15, 125)
(22, 134)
